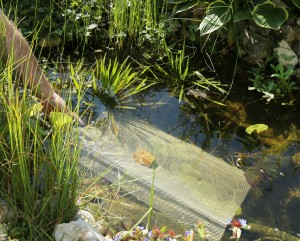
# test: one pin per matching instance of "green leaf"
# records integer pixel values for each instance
(163, 229)
(186, 6)
(244, 14)
(297, 3)
(257, 127)
(267, 15)
(217, 14)
(60, 119)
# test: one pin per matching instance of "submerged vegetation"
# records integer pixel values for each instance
(123, 48)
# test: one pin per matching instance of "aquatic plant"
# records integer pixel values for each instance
(272, 233)
(115, 79)
(275, 83)
(177, 73)
(132, 20)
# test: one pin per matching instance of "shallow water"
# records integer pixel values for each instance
(273, 201)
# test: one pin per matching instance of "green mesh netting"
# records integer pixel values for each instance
(191, 185)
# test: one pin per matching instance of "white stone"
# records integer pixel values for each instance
(76, 231)
(285, 55)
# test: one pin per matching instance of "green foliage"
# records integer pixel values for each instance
(178, 73)
(60, 120)
(38, 174)
(57, 21)
(201, 231)
(267, 15)
(84, 21)
(218, 14)
(117, 80)
(179, 76)
(279, 84)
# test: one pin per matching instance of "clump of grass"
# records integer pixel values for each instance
(38, 174)
(128, 20)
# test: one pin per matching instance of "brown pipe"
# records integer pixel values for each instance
(14, 47)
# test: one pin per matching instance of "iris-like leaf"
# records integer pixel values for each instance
(218, 13)
(267, 15)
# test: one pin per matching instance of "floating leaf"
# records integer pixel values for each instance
(217, 14)
(60, 119)
(267, 15)
(257, 127)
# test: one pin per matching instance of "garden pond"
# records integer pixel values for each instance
(270, 159)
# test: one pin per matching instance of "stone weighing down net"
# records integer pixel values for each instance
(191, 185)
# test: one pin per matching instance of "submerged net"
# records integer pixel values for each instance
(190, 184)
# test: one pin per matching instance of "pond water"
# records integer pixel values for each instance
(274, 199)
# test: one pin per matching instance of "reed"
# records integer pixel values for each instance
(130, 19)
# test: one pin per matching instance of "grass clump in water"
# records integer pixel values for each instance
(112, 78)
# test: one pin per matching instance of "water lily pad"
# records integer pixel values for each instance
(257, 127)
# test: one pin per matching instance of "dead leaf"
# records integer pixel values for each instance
(143, 157)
